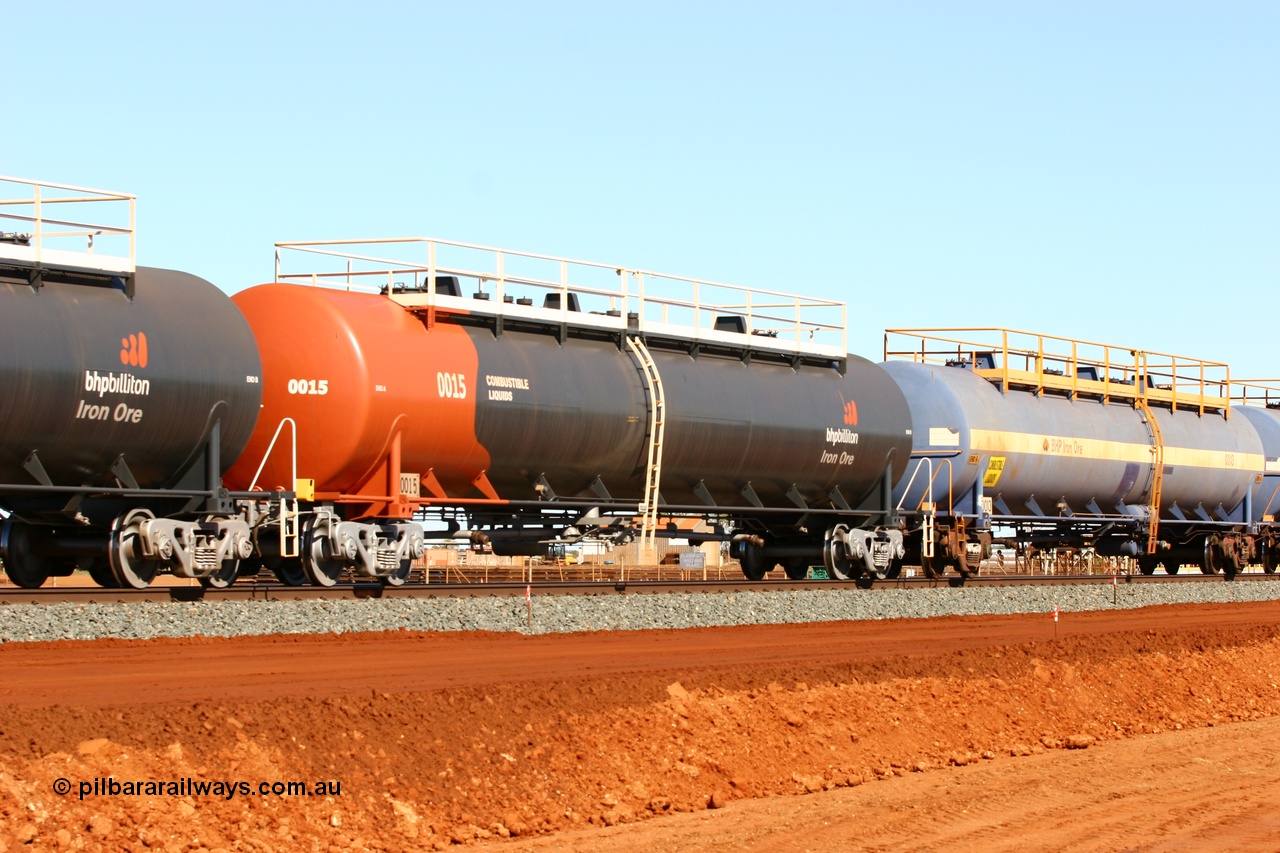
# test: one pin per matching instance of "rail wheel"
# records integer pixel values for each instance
(835, 556)
(399, 576)
(754, 564)
(130, 570)
(889, 572)
(941, 566)
(1268, 557)
(1147, 564)
(24, 567)
(100, 571)
(289, 571)
(249, 568)
(224, 577)
(929, 566)
(1214, 557)
(322, 567)
(1172, 567)
(1230, 566)
(797, 568)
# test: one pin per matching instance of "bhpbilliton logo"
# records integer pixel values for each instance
(133, 350)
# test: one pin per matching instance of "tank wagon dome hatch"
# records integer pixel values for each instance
(512, 386)
(1060, 443)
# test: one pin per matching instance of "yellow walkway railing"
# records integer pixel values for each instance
(1074, 368)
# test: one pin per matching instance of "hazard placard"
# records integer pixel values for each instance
(995, 467)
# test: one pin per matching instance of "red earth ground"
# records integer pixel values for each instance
(1135, 730)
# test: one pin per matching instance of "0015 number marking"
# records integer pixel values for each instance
(452, 385)
(308, 386)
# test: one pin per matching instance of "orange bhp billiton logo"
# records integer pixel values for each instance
(851, 413)
(133, 350)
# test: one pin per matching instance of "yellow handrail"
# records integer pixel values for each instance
(1039, 362)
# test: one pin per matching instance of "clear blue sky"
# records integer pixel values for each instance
(1104, 170)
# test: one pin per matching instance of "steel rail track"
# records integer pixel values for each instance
(279, 592)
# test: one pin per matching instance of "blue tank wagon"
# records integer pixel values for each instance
(1076, 444)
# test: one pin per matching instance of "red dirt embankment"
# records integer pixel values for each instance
(439, 739)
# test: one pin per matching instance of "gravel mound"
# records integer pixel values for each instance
(568, 613)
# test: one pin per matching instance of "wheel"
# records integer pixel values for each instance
(1230, 562)
(321, 568)
(289, 571)
(836, 557)
(1172, 567)
(399, 576)
(940, 566)
(25, 568)
(1268, 558)
(224, 577)
(1147, 564)
(754, 565)
(130, 571)
(249, 568)
(797, 570)
(100, 571)
(927, 565)
(889, 572)
(1213, 557)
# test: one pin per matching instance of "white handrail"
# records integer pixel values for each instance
(270, 447)
(920, 463)
(352, 263)
(31, 210)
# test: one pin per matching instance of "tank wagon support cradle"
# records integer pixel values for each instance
(1161, 458)
(319, 544)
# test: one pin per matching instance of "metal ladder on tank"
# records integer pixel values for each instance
(657, 428)
(289, 529)
(1157, 474)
